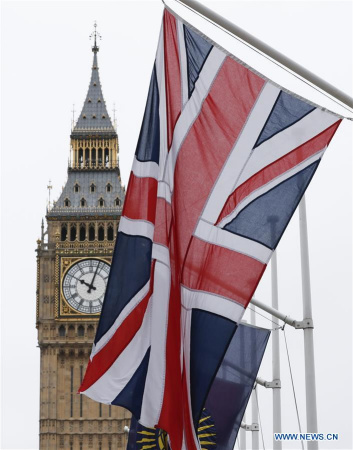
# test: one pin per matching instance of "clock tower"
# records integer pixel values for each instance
(73, 262)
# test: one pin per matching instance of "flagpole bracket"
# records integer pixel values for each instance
(274, 384)
(251, 427)
(303, 324)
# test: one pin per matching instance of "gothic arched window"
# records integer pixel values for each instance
(82, 232)
(91, 232)
(71, 332)
(83, 202)
(93, 156)
(76, 187)
(63, 231)
(81, 330)
(100, 156)
(87, 157)
(62, 331)
(80, 157)
(67, 202)
(117, 201)
(92, 188)
(73, 232)
(100, 232)
(110, 232)
(101, 202)
(109, 187)
(106, 157)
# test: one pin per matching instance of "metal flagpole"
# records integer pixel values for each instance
(276, 372)
(269, 51)
(242, 431)
(310, 385)
(254, 411)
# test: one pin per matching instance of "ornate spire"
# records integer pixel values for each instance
(94, 117)
(94, 35)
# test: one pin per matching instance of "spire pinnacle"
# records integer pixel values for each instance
(95, 35)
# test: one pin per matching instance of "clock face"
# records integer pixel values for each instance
(84, 285)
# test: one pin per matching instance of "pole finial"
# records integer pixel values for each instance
(95, 35)
(49, 187)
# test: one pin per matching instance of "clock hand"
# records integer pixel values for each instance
(94, 276)
(83, 282)
(90, 286)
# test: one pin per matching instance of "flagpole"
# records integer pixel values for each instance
(254, 411)
(269, 51)
(276, 371)
(242, 431)
(310, 384)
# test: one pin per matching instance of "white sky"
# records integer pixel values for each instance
(46, 61)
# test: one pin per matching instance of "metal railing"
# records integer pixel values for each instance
(87, 165)
(84, 210)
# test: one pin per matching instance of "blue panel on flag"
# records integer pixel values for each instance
(232, 386)
(265, 219)
(197, 50)
(207, 350)
(131, 396)
(131, 443)
(129, 272)
(286, 111)
(148, 144)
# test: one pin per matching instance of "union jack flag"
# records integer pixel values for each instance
(222, 161)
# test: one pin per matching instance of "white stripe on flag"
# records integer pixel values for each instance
(161, 253)
(186, 346)
(155, 379)
(215, 235)
(163, 191)
(286, 141)
(183, 65)
(145, 169)
(160, 72)
(114, 380)
(270, 185)
(192, 109)
(215, 304)
(136, 227)
(240, 153)
(136, 300)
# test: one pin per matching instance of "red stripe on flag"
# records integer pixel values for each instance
(199, 162)
(106, 357)
(172, 73)
(208, 144)
(140, 200)
(163, 222)
(220, 271)
(171, 417)
(278, 167)
(188, 422)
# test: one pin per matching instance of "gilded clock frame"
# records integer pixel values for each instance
(63, 262)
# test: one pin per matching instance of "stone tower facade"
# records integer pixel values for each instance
(73, 263)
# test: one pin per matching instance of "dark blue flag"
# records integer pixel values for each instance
(232, 386)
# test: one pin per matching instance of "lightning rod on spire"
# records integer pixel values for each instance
(95, 35)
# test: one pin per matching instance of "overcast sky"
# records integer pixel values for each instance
(46, 62)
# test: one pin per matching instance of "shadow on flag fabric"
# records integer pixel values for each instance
(222, 161)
